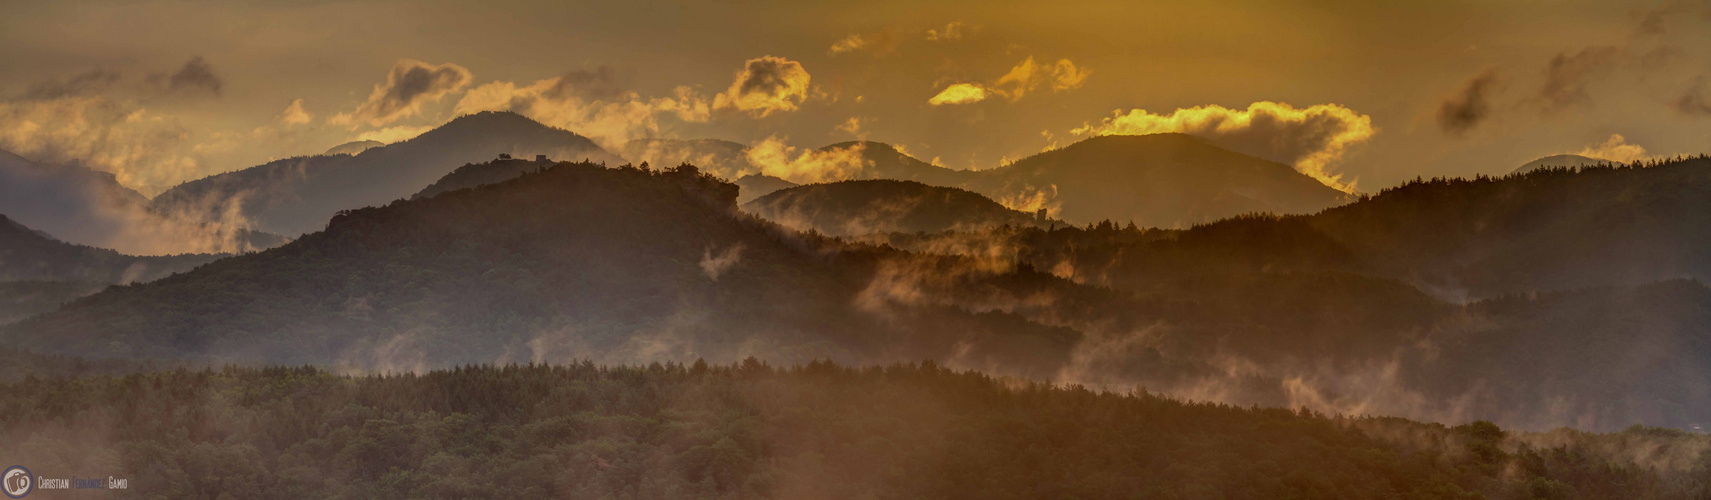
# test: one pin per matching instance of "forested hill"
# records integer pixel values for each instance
(848, 208)
(27, 254)
(298, 195)
(575, 261)
(749, 430)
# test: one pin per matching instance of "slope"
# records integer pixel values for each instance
(297, 195)
(574, 262)
(850, 208)
(1161, 180)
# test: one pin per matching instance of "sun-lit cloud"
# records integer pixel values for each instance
(410, 84)
(777, 159)
(144, 150)
(850, 43)
(588, 102)
(1617, 149)
(765, 85)
(294, 114)
(950, 32)
(960, 93)
(1310, 138)
(854, 126)
(1028, 76)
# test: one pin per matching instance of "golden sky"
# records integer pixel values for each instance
(1363, 94)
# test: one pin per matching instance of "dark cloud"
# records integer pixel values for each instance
(1471, 106)
(599, 84)
(196, 77)
(87, 83)
(409, 84)
(1695, 101)
(766, 84)
(1566, 76)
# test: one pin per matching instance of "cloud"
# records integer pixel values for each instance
(853, 126)
(851, 43)
(591, 103)
(777, 159)
(951, 32)
(90, 82)
(196, 77)
(1027, 76)
(1566, 76)
(1694, 101)
(1065, 76)
(714, 265)
(1311, 139)
(408, 85)
(1617, 149)
(1466, 109)
(961, 93)
(294, 114)
(765, 85)
(143, 150)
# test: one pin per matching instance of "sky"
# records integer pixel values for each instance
(1363, 95)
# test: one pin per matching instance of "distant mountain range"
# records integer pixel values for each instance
(298, 195)
(1162, 180)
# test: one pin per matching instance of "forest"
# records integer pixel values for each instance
(753, 430)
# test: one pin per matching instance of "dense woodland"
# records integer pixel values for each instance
(749, 430)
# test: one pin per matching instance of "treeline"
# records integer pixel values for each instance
(750, 430)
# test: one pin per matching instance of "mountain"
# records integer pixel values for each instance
(758, 185)
(851, 208)
(883, 161)
(297, 195)
(89, 207)
(480, 174)
(27, 254)
(38, 273)
(573, 262)
(1160, 180)
(353, 147)
(1560, 161)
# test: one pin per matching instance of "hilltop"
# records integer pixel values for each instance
(851, 208)
(297, 195)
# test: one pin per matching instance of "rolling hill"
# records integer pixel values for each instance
(297, 195)
(573, 262)
(851, 208)
(38, 273)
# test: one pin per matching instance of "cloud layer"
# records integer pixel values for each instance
(1311, 138)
